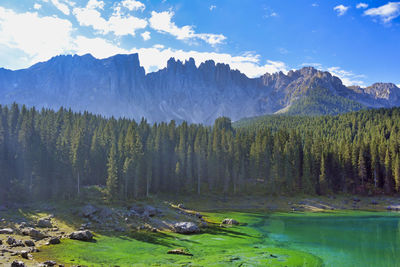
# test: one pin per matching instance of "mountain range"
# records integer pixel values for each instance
(118, 86)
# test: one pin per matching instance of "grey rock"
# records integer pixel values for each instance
(81, 235)
(25, 254)
(36, 234)
(17, 264)
(49, 263)
(88, 210)
(29, 243)
(186, 228)
(11, 240)
(105, 213)
(44, 223)
(230, 222)
(54, 240)
(6, 231)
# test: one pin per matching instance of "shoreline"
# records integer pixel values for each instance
(66, 219)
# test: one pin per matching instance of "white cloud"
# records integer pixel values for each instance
(361, 5)
(98, 47)
(118, 23)
(398, 85)
(95, 4)
(39, 38)
(133, 5)
(314, 5)
(161, 21)
(341, 9)
(212, 7)
(312, 64)
(146, 35)
(348, 78)
(269, 12)
(61, 6)
(37, 6)
(386, 12)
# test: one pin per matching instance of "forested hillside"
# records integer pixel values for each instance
(47, 154)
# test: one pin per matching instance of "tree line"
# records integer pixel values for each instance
(54, 154)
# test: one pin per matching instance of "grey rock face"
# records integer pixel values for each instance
(118, 86)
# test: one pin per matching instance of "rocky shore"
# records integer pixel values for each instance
(25, 229)
(22, 234)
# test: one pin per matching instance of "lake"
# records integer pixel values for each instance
(352, 238)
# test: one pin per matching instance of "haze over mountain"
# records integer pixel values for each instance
(118, 86)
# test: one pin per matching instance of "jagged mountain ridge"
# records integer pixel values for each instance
(118, 86)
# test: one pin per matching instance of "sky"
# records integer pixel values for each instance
(358, 41)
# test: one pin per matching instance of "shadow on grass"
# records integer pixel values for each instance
(161, 239)
(227, 231)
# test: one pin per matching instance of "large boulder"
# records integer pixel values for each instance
(44, 223)
(36, 234)
(81, 235)
(6, 231)
(230, 222)
(186, 228)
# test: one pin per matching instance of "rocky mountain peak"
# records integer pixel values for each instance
(119, 86)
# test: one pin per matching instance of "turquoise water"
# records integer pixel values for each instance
(340, 239)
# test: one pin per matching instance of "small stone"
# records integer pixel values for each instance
(54, 240)
(29, 243)
(17, 264)
(49, 263)
(25, 254)
(230, 222)
(11, 240)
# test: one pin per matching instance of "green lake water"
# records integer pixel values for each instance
(280, 239)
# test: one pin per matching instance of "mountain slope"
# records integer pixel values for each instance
(118, 86)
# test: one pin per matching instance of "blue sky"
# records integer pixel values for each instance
(359, 41)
